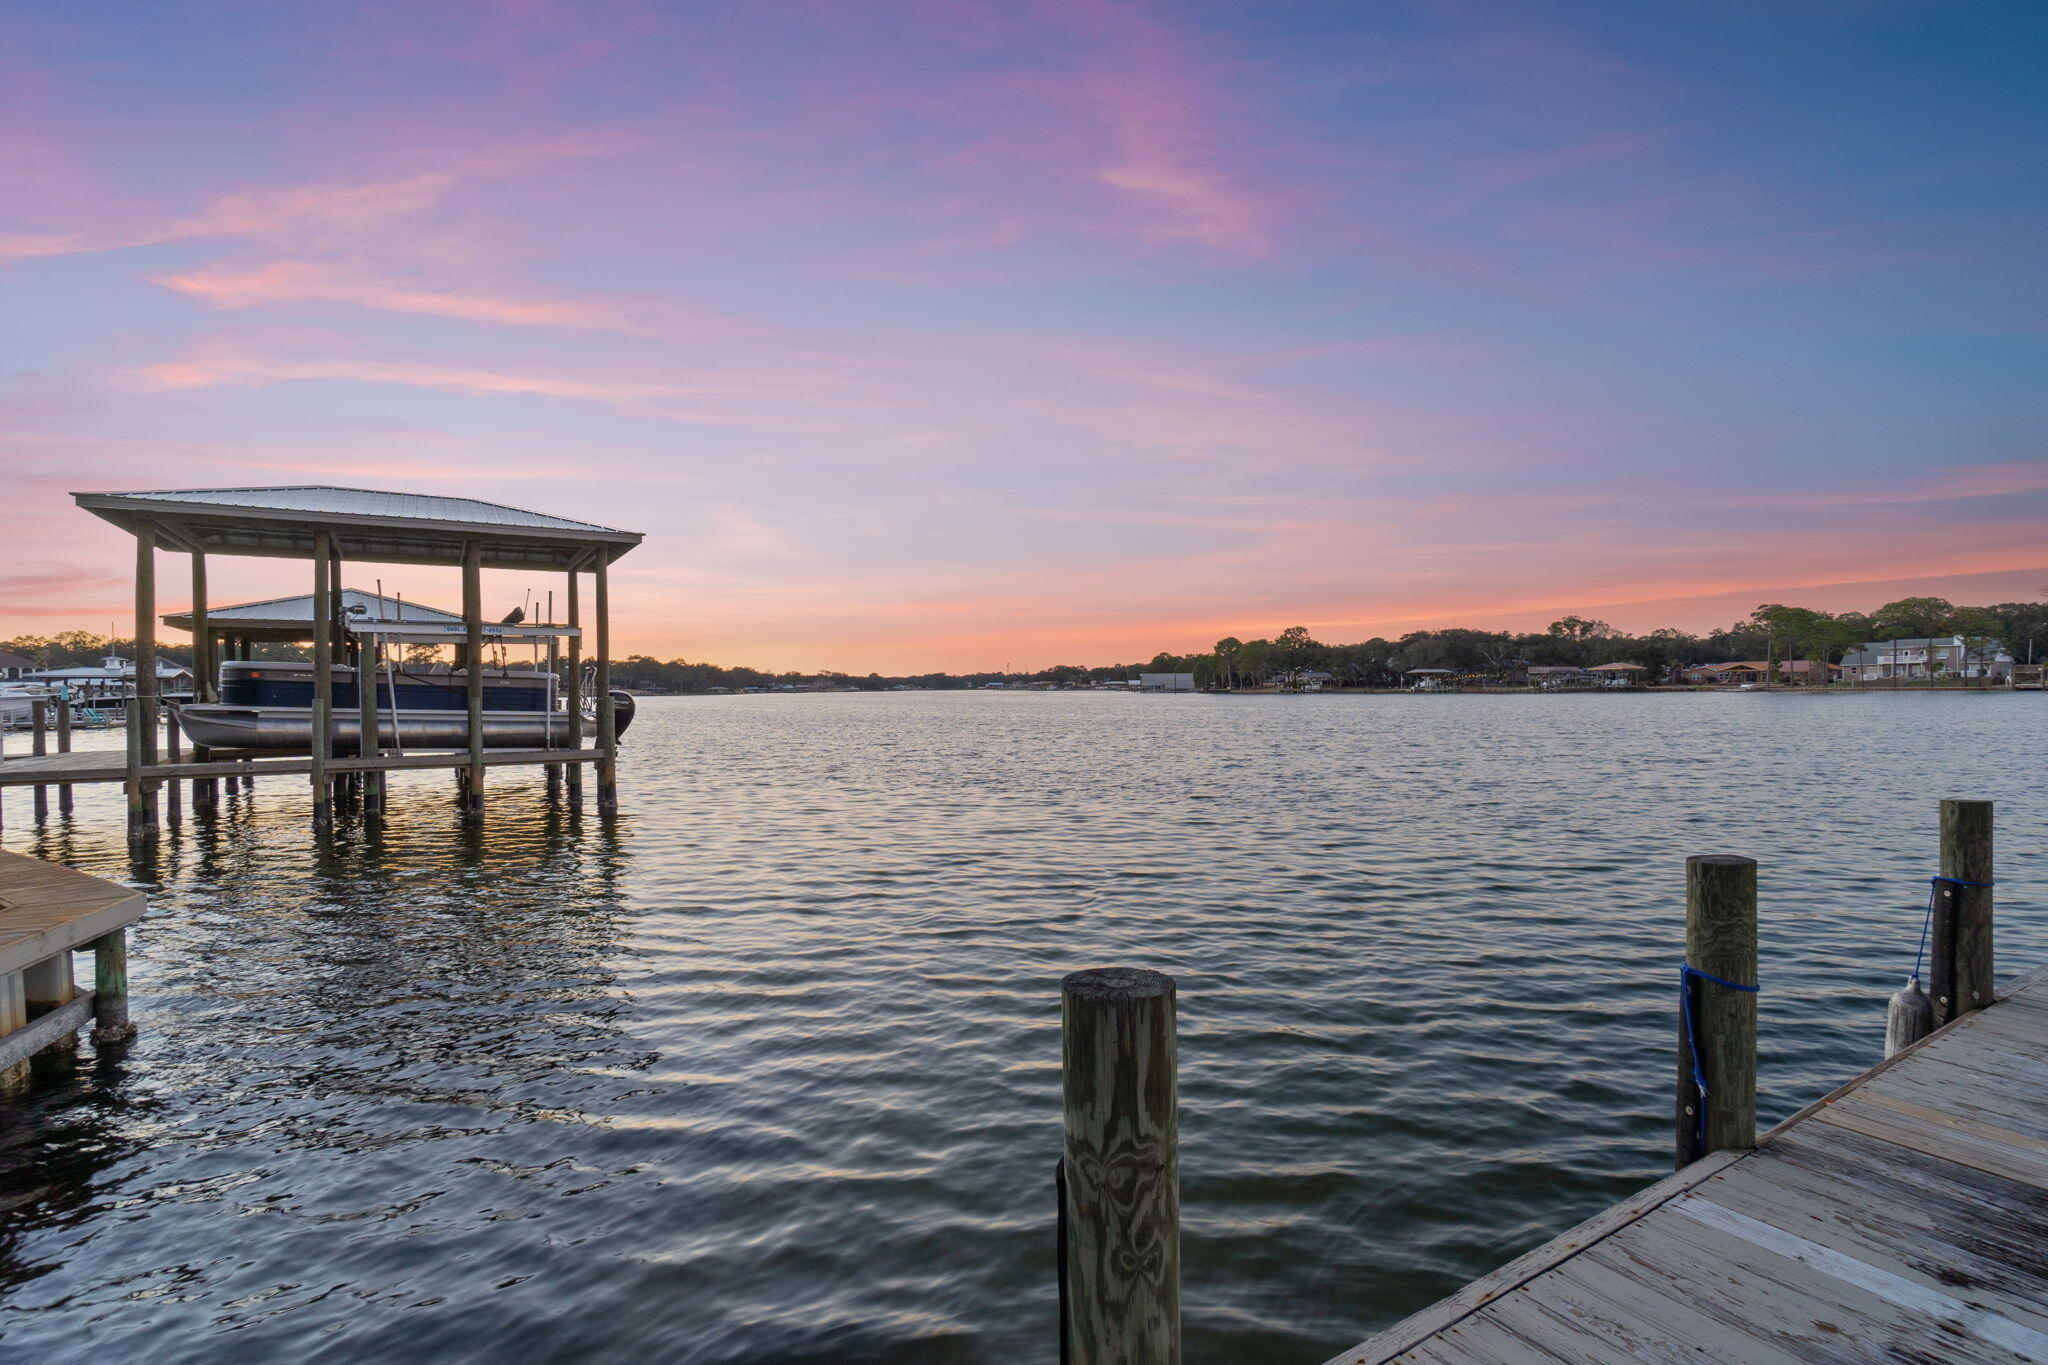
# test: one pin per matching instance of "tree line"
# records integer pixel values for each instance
(1773, 631)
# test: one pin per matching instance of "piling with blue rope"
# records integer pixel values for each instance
(1716, 1106)
(1960, 975)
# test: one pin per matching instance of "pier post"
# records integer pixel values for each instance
(1717, 1018)
(573, 772)
(174, 752)
(607, 722)
(110, 989)
(142, 721)
(554, 770)
(39, 745)
(1119, 1169)
(205, 677)
(47, 984)
(1959, 940)
(64, 744)
(369, 724)
(473, 688)
(323, 682)
(138, 795)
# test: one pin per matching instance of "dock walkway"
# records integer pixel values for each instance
(46, 913)
(111, 765)
(1903, 1217)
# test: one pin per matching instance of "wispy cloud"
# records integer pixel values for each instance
(215, 370)
(304, 282)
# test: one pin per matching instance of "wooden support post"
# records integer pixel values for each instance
(323, 681)
(142, 718)
(1717, 1015)
(110, 989)
(64, 746)
(138, 795)
(174, 750)
(554, 693)
(145, 634)
(47, 984)
(370, 726)
(1120, 1169)
(1959, 940)
(473, 689)
(573, 773)
(13, 1016)
(205, 676)
(607, 722)
(39, 745)
(204, 687)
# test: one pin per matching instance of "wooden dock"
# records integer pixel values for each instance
(48, 912)
(1903, 1217)
(107, 766)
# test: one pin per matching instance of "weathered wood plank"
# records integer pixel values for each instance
(1984, 1148)
(1409, 1331)
(1950, 1313)
(45, 1030)
(1904, 1242)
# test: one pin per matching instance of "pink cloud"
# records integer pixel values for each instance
(213, 370)
(290, 282)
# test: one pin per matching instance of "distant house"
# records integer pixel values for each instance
(1166, 682)
(1794, 671)
(113, 677)
(1931, 656)
(12, 666)
(1619, 675)
(1725, 675)
(1558, 675)
(1311, 680)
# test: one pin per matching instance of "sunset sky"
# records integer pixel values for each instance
(956, 335)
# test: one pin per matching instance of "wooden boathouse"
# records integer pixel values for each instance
(333, 528)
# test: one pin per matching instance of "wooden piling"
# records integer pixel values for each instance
(323, 682)
(39, 744)
(138, 795)
(47, 984)
(64, 747)
(574, 775)
(607, 721)
(174, 750)
(110, 989)
(473, 690)
(1717, 1018)
(1960, 938)
(1120, 1213)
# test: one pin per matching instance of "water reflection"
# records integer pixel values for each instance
(766, 1069)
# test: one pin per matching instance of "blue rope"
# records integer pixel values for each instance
(1934, 885)
(1686, 971)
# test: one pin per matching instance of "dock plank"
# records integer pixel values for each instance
(1901, 1217)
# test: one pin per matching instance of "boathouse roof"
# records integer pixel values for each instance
(367, 524)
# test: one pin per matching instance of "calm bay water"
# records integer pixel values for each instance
(767, 1070)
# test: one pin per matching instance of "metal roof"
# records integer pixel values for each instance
(368, 502)
(366, 525)
(299, 611)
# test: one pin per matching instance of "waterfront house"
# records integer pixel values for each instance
(1312, 680)
(1952, 656)
(12, 666)
(1166, 682)
(1728, 674)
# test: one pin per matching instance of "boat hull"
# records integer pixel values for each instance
(290, 729)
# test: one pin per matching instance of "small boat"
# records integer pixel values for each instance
(269, 706)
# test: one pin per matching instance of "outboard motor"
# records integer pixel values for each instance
(622, 712)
